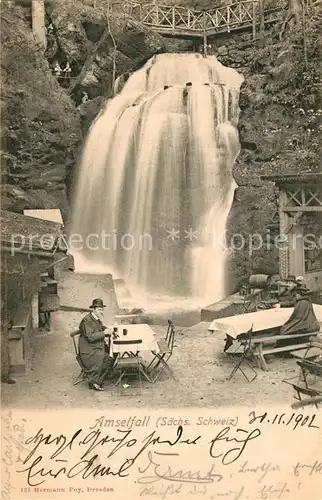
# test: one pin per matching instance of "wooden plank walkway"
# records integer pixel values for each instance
(182, 21)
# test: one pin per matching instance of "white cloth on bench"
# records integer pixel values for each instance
(260, 320)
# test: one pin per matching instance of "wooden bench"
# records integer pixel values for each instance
(261, 346)
(20, 320)
(19, 337)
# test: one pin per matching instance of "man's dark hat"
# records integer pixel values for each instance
(97, 303)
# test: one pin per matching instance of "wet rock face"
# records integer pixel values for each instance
(98, 47)
(40, 126)
(279, 134)
(46, 117)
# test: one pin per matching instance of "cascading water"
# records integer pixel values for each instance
(155, 185)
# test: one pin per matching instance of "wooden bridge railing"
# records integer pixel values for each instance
(185, 21)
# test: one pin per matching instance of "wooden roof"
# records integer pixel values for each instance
(30, 235)
(49, 214)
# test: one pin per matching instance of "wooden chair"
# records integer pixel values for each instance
(251, 300)
(245, 340)
(129, 362)
(308, 367)
(161, 359)
(83, 373)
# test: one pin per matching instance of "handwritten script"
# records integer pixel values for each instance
(50, 455)
(13, 450)
(236, 462)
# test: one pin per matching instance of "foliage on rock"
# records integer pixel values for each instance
(42, 111)
(40, 126)
(280, 127)
(98, 46)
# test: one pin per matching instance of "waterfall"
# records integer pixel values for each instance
(155, 184)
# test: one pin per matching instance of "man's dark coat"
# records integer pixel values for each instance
(92, 348)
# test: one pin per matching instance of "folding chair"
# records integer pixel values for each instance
(303, 386)
(129, 362)
(246, 340)
(251, 300)
(307, 368)
(83, 374)
(161, 358)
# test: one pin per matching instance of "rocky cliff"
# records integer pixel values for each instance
(46, 111)
(40, 126)
(99, 48)
(279, 125)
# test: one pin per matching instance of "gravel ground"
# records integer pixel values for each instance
(198, 362)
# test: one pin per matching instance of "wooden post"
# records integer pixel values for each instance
(155, 13)
(173, 19)
(205, 44)
(158, 17)
(296, 251)
(204, 33)
(304, 37)
(261, 17)
(23, 288)
(228, 19)
(254, 20)
(38, 22)
(283, 249)
(35, 311)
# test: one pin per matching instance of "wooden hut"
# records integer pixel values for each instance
(300, 224)
(28, 251)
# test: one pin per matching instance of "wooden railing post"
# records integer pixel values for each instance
(254, 19)
(204, 21)
(154, 14)
(261, 17)
(204, 33)
(240, 14)
(228, 19)
(157, 9)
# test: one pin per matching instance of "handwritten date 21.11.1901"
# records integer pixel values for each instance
(294, 420)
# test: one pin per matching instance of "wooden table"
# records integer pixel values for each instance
(135, 332)
(268, 319)
(265, 326)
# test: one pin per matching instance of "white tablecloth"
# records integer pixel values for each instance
(261, 320)
(136, 332)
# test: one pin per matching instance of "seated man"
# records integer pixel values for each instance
(287, 297)
(92, 346)
(302, 319)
